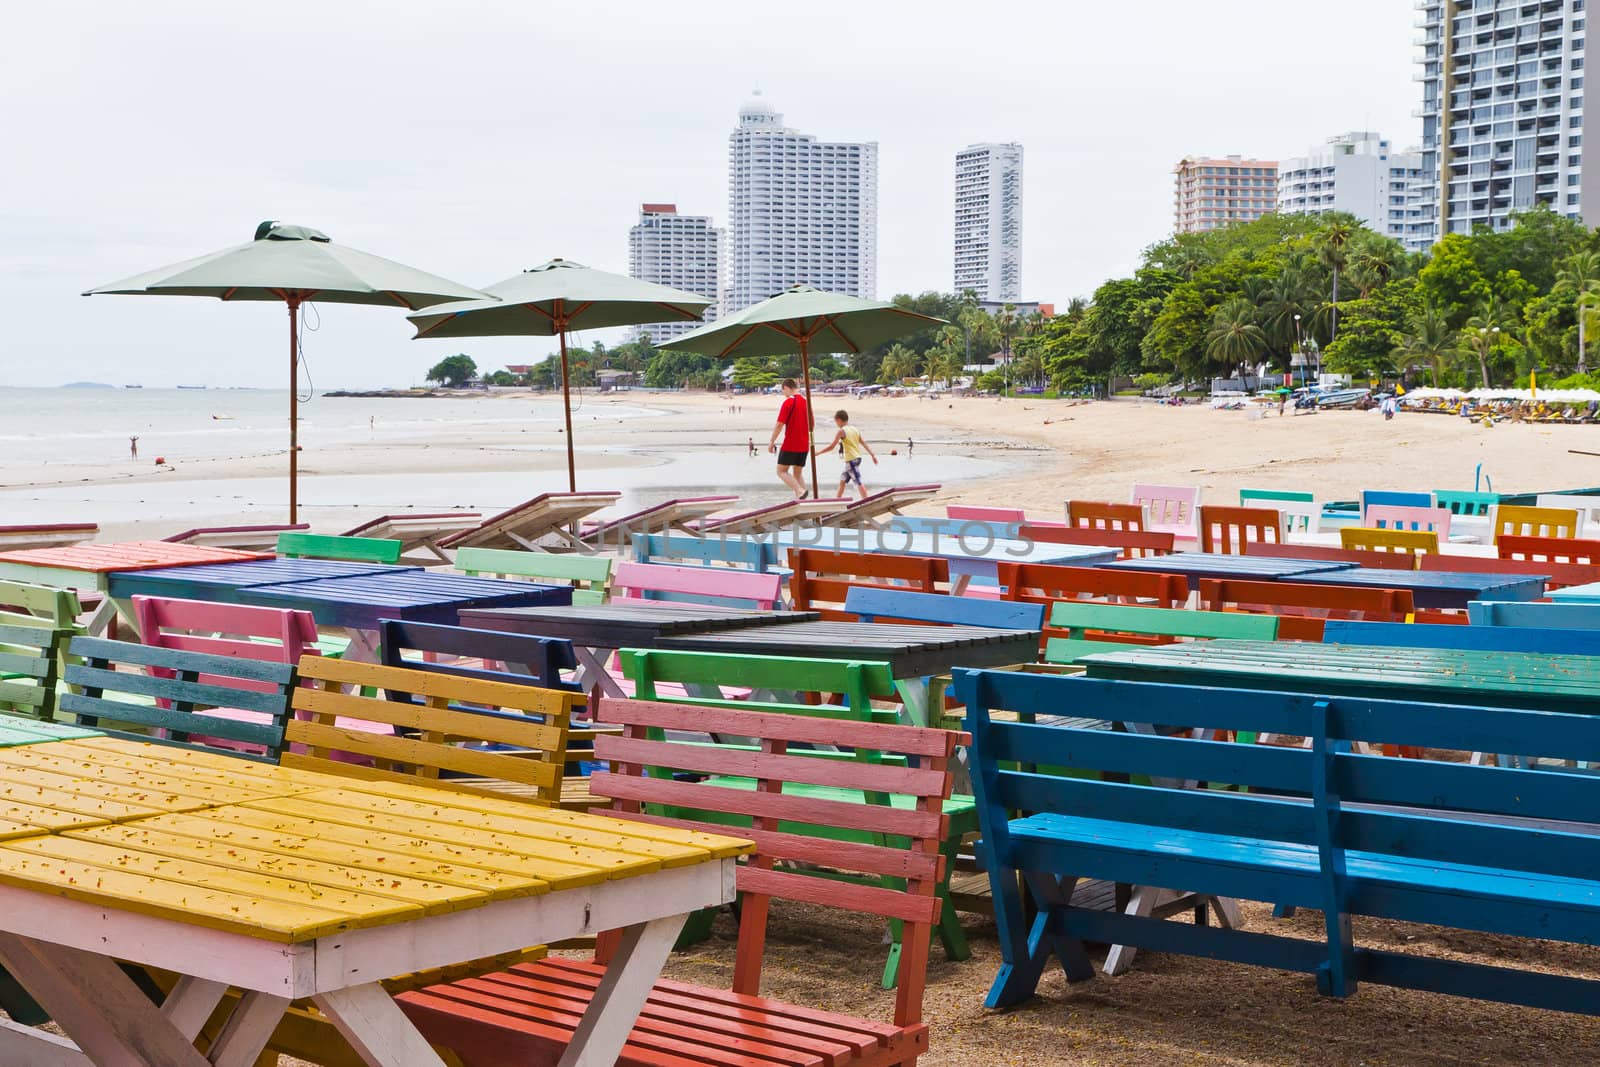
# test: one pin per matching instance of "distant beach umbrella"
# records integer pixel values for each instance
(294, 264)
(803, 320)
(554, 299)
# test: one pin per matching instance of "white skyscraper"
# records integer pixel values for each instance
(682, 251)
(800, 211)
(1358, 173)
(988, 249)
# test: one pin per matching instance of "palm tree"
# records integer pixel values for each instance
(1235, 338)
(1285, 301)
(1331, 247)
(1479, 339)
(1579, 278)
(898, 363)
(1429, 339)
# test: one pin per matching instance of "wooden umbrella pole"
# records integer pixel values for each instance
(294, 409)
(811, 416)
(566, 404)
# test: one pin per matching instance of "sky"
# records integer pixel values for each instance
(476, 139)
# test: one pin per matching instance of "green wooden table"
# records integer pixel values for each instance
(18, 731)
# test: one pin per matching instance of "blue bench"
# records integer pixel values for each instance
(753, 554)
(1474, 638)
(529, 660)
(1547, 616)
(1492, 849)
(869, 604)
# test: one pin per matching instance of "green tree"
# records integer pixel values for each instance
(452, 372)
(1177, 336)
(1374, 329)
(1428, 340)
(1331, 244)
(899, 363)
(750, 373)
(1234, 339)
(1452, 282)
(1579, 280)
(500, 378)
(675, 370)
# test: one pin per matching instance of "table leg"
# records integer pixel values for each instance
(191, 1003)
(592, 675)
(101, 618)
(914, 694)
(619, 998)
(376, 1028)
(363, 645)
(248, 1030)
(959, 583)
(38, 1048)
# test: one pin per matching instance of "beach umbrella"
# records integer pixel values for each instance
(554, 299)
(294, 264)
(803, 320)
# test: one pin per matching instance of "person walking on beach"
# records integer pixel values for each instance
(133, 447)
(794, 423)
(752, 446)
(908, 448)
(848, 440)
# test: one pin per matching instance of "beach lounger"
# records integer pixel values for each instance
(670, 515)
(883, 503)
(545, 517)
(771, 517)
(260, 536)
(46, 535)
(418, 532)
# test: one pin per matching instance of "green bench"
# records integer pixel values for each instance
(589, 576)
(1081, 619)
(774, 679)
(31, 659)
(349, 549)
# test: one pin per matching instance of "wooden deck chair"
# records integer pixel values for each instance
(1411, 542)
(45, 534)
(547, 517)
(676, 515)
(1517, 521)
(264, 536)
(589, 576)
(418, 533)
(883, 504)
(1104, 515)
(769, 517)
(1170, 509)
(1228, 530)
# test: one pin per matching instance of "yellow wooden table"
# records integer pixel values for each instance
(288, 884)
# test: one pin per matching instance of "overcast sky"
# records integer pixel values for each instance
(477, 139)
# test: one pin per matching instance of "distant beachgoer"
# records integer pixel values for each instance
(1388, 405)
(133, 447)
(908, 448)
(794, 423)
(752, 446)
(848, 440)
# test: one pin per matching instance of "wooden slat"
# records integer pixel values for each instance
(886, 861)
(809, 889)
(753, 763)
(422, 683)
(483, 725)
(910, 741)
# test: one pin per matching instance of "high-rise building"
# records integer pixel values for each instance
(1212, 193)
(1357, 173)
(988, 245)
(800, 211)
(682, 251)
(1502, 112)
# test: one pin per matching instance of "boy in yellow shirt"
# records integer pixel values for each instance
(850, 442)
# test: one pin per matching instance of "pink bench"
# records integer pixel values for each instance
(1173, 509)
(704, 585)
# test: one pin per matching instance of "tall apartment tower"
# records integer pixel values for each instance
(1212, 193)
(683, 251)
(988, 248)
(1358, 173)
(1502, 112)
(800, 211)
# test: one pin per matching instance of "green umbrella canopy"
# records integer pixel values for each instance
(291, 264)
(557, 297)
(825, 322)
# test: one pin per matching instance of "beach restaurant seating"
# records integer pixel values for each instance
(1582, 551)
(822, 579)
(548, 516)
(1104, 515)
(1092, 628)
(1378, 542)
(589, 576)
(1460, 502)
(262, 536)
(1301, 608)
(351, 549)
(1173, 509)
(527, 1014)
(1588, 506)
(418, 532)
(971, 512)
(1397, 561)
(1392, 498)
(1128, 543)
(696, 585)
(1524, 613)
(1518, 521)
(877, 604)
(1046, 583)
(1555, 642)
(882, 504)
(751, 554)
(1501, 850)
(1399, 517)
(45, 534)
(1556, 575)
(771, 517)
(679, 514)
(1228, 530)
(31, 662)
(1301, 512)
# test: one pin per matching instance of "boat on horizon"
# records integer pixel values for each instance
(133, 387)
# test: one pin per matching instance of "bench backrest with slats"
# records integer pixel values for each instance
(751, 554)
(1046, 583)
(1470, 638)
(1393, 498)
(1587, 506)
(906, 862)
(1395, 517)
(1394, 561)
(1556, 575)
(1302, 608)
(822, 579)
(899, 605)
(1511, 520)
(351, 549)
(446, 726)
(57, 608)
(699, 585)
(1582, 551)
(280, 635)
(1460, 502)
(1522, 613)
(118, 689)
(466, 652)
(857, 682)
(1228, 530)
(589, 576)
(1094, 628)
(31, 660)
(984, 514)
(1129, 543)
(1250, 497)
(1409, 542)
(1173, 508)
(1105, 515)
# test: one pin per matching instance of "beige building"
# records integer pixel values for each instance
(1212, 193)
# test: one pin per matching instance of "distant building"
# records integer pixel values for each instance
(683, 251)
(1358, 173)
(988, 221)
(1211, 193)
(1019, 308)
(800, 211)
(613, 380)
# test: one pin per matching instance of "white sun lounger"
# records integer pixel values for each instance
(669, 515)
(416, 532)
(259, 536)
(544, 518)
(46, 535)
(771, 517)
(883, 503)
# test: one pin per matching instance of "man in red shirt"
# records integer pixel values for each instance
(794, 423)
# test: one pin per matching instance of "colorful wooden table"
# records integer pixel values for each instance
(318, 887)
(221, 583)
(1577, 594)
(1438, 589)
(88, 567)
(15, 730)
(1195, 565)
(968, 557)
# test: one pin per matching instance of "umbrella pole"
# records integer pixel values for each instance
(294, 410)
(566, 404)
(811, 416)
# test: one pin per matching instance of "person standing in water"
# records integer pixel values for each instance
(133, 447)
(794, 424)
(851, 444)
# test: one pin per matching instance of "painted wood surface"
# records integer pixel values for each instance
(532, 520)
(349, 549)
(1437, 589)
(1195, 565)
(103, 558)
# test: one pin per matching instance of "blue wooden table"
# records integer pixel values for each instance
(1222, 565)
(1578, 594)
(1438, 589)
(221, 583)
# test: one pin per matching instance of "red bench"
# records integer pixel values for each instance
(1046, 583)
(1557, 575)
(1300, 608)
(1131, 542)
(527, 1014)
(822, 579)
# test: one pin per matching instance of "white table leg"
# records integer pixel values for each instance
(363, 645)
(376, 1027)
(103, 614)
(38, 1048)
(592, 674)
(191, 1003)
(248, 1029)
(619, 998)
(1120, 958)
(914, 694)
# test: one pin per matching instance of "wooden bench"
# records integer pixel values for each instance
(1501, 850)
(589, 576)
(350, 549)
(1551, 616)
(876, 604)
(1104, 515)
(1399, 498)
(697, 585)
(821, 580)
(1092, 628)
(1512, 520)
(1460, 502)
(1572, 550)
(526, 1014)
(117, 688)
(1475, 638)
(1173, 509)
(1395, 517)
(1131, 543)
(973, 512)
(1394, 561)
(1046, 583)
(1231, 530)
(421, 531)
(1302, 608)
(751, 554)
(31, 662)
(1377, 542)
